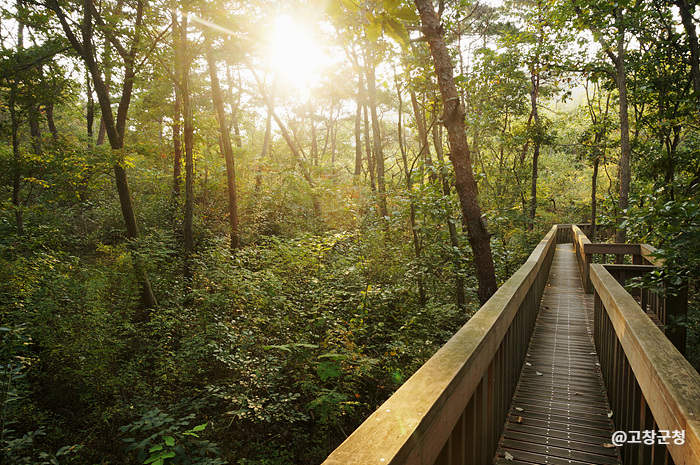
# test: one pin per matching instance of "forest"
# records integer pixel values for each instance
(229, 230)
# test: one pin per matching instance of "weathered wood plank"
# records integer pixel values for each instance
(560, 394)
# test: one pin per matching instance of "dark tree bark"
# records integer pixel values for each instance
(16, 153)
(113, 128)
(594, 198)
(451, 227)
(453, 119)
(617, 57)
(686, 11)
(625, 173)
(16, 160)
(226, 148)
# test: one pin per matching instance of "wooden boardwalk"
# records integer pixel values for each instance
(560, 412)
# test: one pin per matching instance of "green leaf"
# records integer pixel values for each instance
(397, 31)
(327, 370)
(373, 29)
(169, 441)
(406, 13)
(201, 427)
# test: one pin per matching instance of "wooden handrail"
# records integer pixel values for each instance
(651, 386)
(453, 408)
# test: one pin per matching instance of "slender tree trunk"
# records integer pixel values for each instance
(50, 121)
(290, 142)
(358, 133)
(227, 149)
(16, 153)
(177, 145)
(268, 124)
(424, 153)
(453, 119)
(368, 149)
(314, 137)
(625, 149)
(686, 9)
(422, 299)
(90, 117)
(16, 160)
(534, 96)
(188, 120)
(177, 110)
(594, 198)
(235, 104)
(377, 141)
(451, 227)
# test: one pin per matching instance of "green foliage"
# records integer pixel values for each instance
(167, 440)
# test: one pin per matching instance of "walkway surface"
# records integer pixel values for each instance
(560, 412)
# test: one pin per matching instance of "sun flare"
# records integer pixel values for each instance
(296, 57)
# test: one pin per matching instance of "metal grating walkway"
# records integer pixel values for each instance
(560, 413)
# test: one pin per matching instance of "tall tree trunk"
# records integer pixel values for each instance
(227, 149)
(594, 198)
(290, 143)
(177, 144)
(314, 136)
(451, 227)
(424, 153)
(686, 9)
(16, 153)
(624, 173)
(534, 94)
(16, 160)
(453, 119)
(358, 131)
(115, 129)
(422, 300)
(368, 148)
(90, 117)
(377, 140)
(188, 120)
(235, 104)
(50, 121)
(268, 124)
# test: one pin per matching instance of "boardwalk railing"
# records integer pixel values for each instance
(452, 410)
(665, 308)
(651, 386)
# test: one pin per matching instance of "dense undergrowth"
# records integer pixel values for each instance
(269, 355)
(272, 354)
